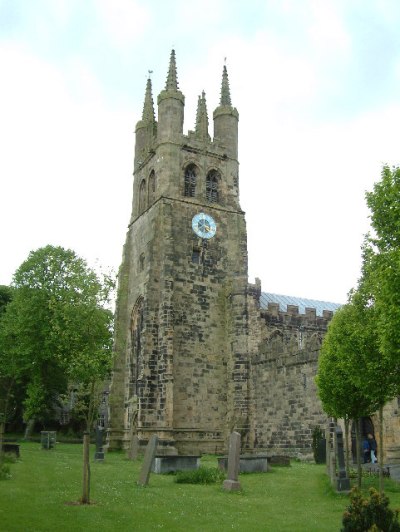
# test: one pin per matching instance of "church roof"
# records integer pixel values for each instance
(300, 302)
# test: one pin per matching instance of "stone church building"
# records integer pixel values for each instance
(198, 350)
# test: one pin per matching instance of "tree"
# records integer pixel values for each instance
(382, 264)
(58, 331)
(381, 277)
(341, 360)
(371, 340)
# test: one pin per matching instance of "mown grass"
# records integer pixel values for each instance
(36, 498)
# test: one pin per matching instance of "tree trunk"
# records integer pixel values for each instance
(346, 443)
(86, 469)
(380, 449)
(358, 452)
(28, 429)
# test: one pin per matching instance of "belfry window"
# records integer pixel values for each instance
(141, 262)
(190, 181)
(136, 358)
(212, 186)
(152, 187)
(142, 196)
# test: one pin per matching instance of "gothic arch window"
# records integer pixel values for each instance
(190, 181)
(152, 187)
(314, 343)
(135, 369)
(142, 196)
(141, 262)
(276, 342)
(212, 182)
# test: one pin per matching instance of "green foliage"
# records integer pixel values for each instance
(381, 271)
(5, 297)
(202, 475)
(56, 329)
(373, 513)
(348, 345)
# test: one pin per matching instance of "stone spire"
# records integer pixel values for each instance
(225, 90)
(146, 128)
(148, 107)
(171, 104)
(172, 79)
(202, 118)
(226, 120)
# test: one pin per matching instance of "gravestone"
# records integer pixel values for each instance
(148, 461)
(48, 439)
(99, 455)
(133, 448)
(232, 483)
(342, 480)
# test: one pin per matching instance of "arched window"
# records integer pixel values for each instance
(152, 187)
(142, 196)
(136, 358)
(212, 186)
(190, 181)
(141, 262)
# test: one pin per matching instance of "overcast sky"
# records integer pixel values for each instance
(316, 84)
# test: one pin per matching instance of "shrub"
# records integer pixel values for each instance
(202, 475)
(370, 513)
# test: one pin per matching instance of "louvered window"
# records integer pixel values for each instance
(212, 186)
(190, 181)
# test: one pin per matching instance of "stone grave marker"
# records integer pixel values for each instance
(148, 461)
(342, 481)
(99, 454)
(232, 483)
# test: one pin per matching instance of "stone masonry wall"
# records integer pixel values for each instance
(286, 406)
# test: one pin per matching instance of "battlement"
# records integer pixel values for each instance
(276, 304)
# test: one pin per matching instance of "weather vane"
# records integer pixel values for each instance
(150, 73)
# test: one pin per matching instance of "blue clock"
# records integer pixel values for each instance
(203, 225)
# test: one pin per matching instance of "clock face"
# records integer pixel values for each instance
(203, 225)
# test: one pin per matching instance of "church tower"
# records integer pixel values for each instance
(181, 332)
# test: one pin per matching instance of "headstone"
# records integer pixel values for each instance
(148, 461)
(232, 483)
(99, 455)
(342, 482)
(48, 439)
(133, 448)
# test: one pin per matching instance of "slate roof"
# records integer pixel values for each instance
(300, 302)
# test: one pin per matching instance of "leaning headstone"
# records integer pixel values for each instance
(99, 454)
(232, 483)
(148, 461)
(342, 481)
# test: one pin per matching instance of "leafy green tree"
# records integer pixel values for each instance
(371, 341)
(382, 265)
(5, 297)
(58, 331)
(341, 358)
(380, 284)
(8, 371)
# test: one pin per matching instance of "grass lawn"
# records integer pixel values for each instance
(296, 498)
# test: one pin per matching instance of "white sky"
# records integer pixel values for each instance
(316, 84)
